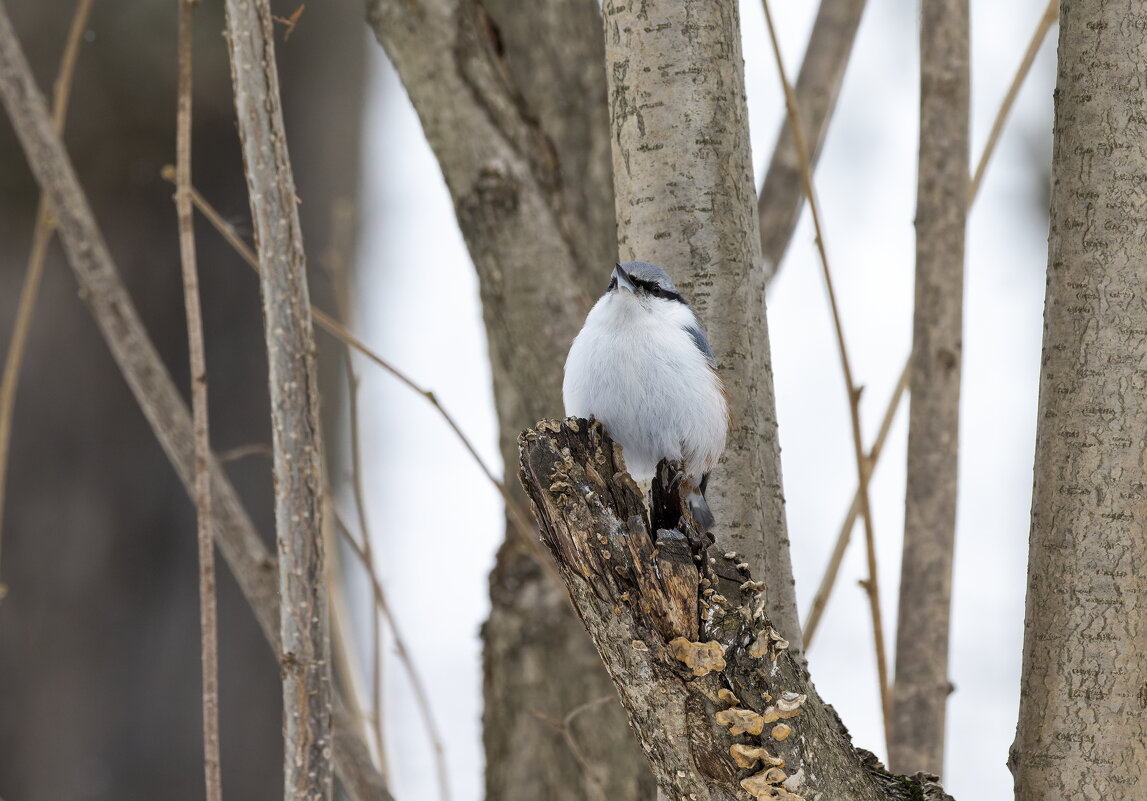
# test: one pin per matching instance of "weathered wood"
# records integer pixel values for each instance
(685, 695)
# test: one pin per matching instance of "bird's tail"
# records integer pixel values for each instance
(699, 507)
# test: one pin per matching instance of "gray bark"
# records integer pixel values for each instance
(920, 692)
(818, 84)
(687, 638)
(1082, 728)
(304, 619)
(513, 106)
(686, 201)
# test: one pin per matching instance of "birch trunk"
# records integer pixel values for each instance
(920, 693)
(1082, 728)
(686, 201)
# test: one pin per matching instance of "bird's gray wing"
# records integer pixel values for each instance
(702, 343)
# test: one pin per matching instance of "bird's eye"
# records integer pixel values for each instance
(612, 284)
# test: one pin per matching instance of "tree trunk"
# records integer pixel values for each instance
(714, 693)
(1082, 729)
(513, 106)
(686, 201)
(920, 693)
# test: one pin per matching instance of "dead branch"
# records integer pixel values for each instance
(716, 698)
(293, 378)
(115, 315)
(208, 630)
(818, 84)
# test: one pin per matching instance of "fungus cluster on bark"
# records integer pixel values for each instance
(719, 705)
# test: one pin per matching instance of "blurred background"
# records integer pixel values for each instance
(99, 659)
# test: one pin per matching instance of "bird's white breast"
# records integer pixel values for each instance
(636, 368)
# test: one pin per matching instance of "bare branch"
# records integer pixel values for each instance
(293, 379)
(565, 727)
(520, 525)
(916, 738)
(119, 323)
(1050, 15)
(41, 236)
(820, 600)
(209, 635)
(863, 467)
(421, 696)
(822, 72)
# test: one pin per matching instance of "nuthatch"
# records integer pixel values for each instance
(643, 367)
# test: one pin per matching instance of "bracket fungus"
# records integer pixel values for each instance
(741, 721)
(789, 705)
(700, 657)
(768, 641)
(781, 731)
(747, 756)
(728, 697)
(768, 785)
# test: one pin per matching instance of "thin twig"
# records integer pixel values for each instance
(368, 555)
(1049, 18)
(518, 517)
(862, 467)
(41, 236)
(564, 726)
(243, 451)
(822, 70)
(421, 697)
(102, 290)
(820, 600)
(208, 630)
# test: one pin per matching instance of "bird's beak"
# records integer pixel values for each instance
(623, 281)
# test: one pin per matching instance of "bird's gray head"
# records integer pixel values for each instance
(644, 280)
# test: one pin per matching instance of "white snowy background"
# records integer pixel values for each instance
(416, 302)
